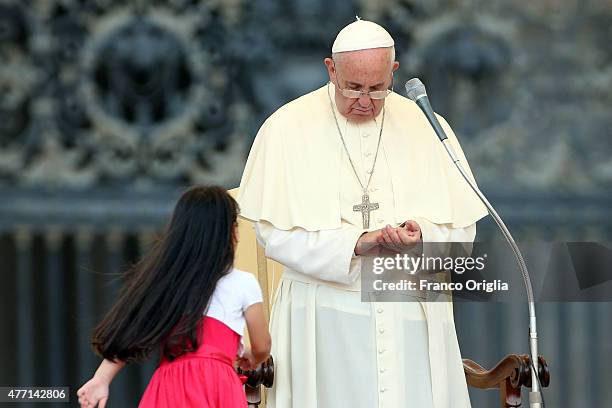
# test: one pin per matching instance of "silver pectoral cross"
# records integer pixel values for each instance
(365, 207)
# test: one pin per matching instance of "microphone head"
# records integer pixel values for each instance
(415, 89)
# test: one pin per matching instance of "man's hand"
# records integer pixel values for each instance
(402, 238)
(367, 241)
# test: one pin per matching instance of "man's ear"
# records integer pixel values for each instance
(395, 66)
(331, 71)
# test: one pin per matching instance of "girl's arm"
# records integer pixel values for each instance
(261, 343)
(95, 391)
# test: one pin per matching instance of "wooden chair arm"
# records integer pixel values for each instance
(509, 375)
(262, 375)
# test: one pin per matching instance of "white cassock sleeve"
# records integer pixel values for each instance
(329, 254)
(443, 233)
(326, 254)
(434, 234)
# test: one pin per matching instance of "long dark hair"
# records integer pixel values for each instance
(168, 291)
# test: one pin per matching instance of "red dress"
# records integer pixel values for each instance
(204, 379)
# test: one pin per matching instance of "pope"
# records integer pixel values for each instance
(349, 168)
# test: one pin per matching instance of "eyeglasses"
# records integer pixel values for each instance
(354, 94)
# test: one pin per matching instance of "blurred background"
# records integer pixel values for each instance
(108, 109)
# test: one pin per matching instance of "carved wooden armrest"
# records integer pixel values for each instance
(262, 375)
(509, 375)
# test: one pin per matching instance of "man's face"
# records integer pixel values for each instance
(363, 70)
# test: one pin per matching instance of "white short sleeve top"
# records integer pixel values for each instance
(234, 293)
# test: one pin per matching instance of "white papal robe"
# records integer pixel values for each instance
(330, 348)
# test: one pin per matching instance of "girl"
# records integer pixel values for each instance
(187, 300)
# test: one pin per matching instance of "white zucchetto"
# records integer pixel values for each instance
(362, 35)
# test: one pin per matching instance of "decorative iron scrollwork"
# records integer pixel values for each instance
(97, 93)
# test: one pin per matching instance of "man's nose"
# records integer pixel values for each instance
(364, 101)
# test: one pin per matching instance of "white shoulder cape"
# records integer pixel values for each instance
(291, 178)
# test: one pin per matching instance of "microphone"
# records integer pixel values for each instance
(416, 92)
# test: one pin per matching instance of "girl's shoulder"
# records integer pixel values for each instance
(241, 281)
(239, 276)
(240, 288)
